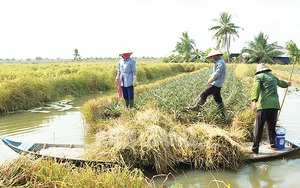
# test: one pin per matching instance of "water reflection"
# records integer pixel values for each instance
(259, 175)
(21, 122)
(57, 126)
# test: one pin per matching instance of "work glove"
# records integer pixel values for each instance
(210, 80)
(134, 81)
(117, 79)
(253, 106)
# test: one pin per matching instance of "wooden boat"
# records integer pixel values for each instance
(72, 153)
(266, 153)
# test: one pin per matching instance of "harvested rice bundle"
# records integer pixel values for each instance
(153, 143)
(222, 152)
(242, 126)
(113, 143)
(213, 148)
(141, 142)
(134, 147)
(196, 136)
(148, 116)
(96, 111)
(179, 145)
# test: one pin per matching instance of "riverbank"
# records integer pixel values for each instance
(71, 129)
(25, 86)
(260, 173)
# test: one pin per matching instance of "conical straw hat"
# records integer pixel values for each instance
(126, 50)
(261, 67)
(212, 53)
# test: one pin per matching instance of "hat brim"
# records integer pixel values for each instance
(208, 57)
(263, 70)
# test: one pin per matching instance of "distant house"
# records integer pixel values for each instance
(282, 59)
(236, 57)
(195, 58)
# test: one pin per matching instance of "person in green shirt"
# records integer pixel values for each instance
(265, 102)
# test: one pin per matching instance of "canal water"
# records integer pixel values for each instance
(66, 125)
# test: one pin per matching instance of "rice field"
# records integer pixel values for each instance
(159, 133)
(24, 86)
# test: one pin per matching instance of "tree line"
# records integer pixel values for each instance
(256, 51)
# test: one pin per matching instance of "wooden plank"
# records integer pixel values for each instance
(60, 152)
(267, 153)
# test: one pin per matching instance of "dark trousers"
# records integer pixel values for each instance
(268, 117)
(128, 93)
(212, 90)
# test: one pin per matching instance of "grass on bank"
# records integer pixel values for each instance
(160, 134)
(161, 125)
(23, 86)
(42, 173)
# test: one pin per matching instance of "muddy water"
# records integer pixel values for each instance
(67, 126)
(53, 125)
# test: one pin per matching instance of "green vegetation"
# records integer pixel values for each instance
(160, 132)
(186, 47)
(23, 86)
(293, 51)
(285, 72)
(225, 31)
(76, 55)
(260, 51)
(43, 173)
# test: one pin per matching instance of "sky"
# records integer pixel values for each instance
(151, 28)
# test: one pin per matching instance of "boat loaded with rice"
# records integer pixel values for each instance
(72, 153)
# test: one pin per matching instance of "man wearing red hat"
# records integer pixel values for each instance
(126, 76)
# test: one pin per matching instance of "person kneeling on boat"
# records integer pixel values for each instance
(265, 102)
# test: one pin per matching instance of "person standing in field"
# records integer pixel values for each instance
(215, 82)
(265, 102)
(126, 76)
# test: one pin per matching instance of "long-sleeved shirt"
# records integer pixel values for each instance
(219, 73)
(126, 71)
(264, 90)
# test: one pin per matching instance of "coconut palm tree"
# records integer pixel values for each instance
(260, 51)
(225, 31)
(186, 46)
(76, 55)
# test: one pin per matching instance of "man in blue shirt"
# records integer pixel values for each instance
(215, 82)
(126, 76)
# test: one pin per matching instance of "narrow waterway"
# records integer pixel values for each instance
(67, 126)
(52, 125)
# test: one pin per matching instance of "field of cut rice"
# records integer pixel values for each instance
(159, 132)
